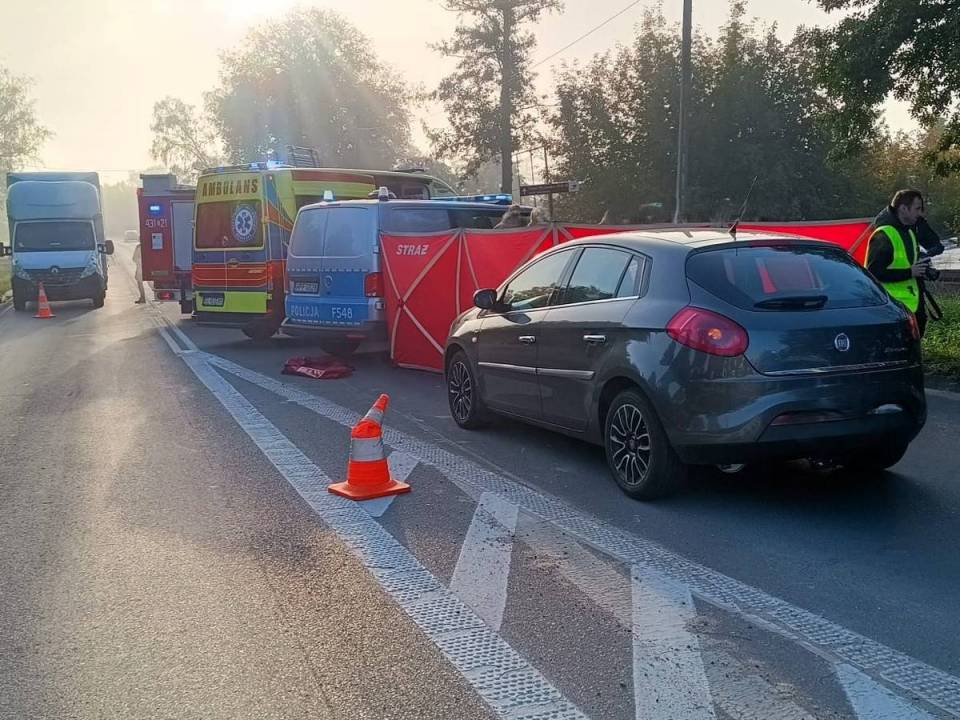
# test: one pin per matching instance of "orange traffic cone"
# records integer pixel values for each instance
(43, 305)
(368, 475)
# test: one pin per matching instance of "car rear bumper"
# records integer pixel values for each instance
(370, 330)
(759, 418)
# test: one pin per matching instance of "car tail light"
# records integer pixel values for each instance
(165, 295)
(914, 326)
(708, 332)
(373, 285)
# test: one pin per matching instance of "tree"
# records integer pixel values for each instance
(908, 48)
(21, 135)
(615, 126)
(489, 98)
(311, 79)
(755, 111)
(183, 139)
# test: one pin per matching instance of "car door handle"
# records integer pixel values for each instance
(528, 339)
(594, 339)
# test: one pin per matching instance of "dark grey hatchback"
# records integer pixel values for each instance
(681, 348)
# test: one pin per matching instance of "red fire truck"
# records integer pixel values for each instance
(166, 238)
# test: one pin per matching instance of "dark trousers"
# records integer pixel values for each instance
(922, 316)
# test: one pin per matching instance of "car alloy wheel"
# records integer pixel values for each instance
(630, 445)
(460, 387)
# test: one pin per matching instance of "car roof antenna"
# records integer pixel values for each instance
(743, 209)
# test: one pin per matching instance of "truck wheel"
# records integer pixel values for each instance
(19, 301)
(98, 300)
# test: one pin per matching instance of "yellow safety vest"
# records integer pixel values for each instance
(906, 291)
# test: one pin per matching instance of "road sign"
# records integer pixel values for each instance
(550, 188)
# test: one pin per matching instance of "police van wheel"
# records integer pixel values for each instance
(339, 348)
(259, 331)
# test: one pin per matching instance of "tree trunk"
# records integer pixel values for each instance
(506, 100)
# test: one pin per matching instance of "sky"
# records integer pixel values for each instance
(99, 65)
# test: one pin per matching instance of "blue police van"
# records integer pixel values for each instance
(336, 287)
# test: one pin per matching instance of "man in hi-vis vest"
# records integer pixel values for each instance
(893, 253)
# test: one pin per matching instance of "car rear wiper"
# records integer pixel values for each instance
(793, 302)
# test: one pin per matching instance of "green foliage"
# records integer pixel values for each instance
(757, 110)
(21, 135)
(493, 49)
(941, 344)
(311, 79)
(184, 140)
(910, 48)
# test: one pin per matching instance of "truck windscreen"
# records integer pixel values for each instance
(54, 236)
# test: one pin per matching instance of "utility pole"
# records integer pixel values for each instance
(546, 178)
(508, 78)
(685, 72)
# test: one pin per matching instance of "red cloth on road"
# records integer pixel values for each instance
(318, 368)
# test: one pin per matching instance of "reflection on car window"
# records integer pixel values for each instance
(596, 276)
(350, 232)
(747, 276)
(536, 286)
(477, 219)
(307, 238)
(630, 285)
(417, 220)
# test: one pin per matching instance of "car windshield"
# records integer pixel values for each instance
(53, 236)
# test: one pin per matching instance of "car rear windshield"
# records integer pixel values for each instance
(54, 236)
(784, 277)
(222, 225)
(334, 232)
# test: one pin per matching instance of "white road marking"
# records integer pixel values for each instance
(482, 573)
(832, 642)
(181, 335)
(668, 676)
(872, 701)
(401, 466)
(512, 687)
(736, 690)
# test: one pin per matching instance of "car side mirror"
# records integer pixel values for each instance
(485, 299)
(106, 247)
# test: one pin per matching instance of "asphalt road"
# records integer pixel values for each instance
(170, 551)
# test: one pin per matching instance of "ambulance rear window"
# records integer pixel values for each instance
(222, 225)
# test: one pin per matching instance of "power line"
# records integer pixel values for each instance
(586, 34)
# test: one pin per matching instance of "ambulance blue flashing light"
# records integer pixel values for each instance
(383, 193)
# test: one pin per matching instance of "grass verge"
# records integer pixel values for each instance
(4, 276)
(941, 344)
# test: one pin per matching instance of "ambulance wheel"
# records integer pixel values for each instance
(98, 300)
(259, 331)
